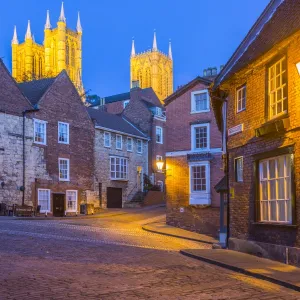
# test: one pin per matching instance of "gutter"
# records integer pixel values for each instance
(121, 132)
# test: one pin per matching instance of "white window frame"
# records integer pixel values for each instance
(240, 99)
(119, 136)
(200, 197)
(68, 132)
(76, 201)
(68, 160)
(115, 170)
(287, 178)
(239, 173)
(275, 90)
(125, 103)
(137, 146)
(49, 200)
(106, 133)
(159, 157)
(45, 131)
(161, 184)
(131, 143)
(193, 136)
(161, 136)
(193, 101)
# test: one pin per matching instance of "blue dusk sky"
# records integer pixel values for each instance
(203, 33)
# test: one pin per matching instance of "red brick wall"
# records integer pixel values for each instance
(179, 118)
(203, 219)
(115, 107)
(62, 103)
(242, 206)
(12, 100)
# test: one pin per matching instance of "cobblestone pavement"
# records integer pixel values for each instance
(113, 258)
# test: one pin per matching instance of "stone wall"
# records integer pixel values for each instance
(102, 166)
(11, 160)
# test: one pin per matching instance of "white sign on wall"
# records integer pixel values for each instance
(181, 209)
(236, 129)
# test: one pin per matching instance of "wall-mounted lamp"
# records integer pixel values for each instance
(298, 67)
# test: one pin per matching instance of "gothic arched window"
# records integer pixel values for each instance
(67, 53)
(140, 78)
(73, 56)
(40, 67)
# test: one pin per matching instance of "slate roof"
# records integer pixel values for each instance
(34, 90)
(147, 95)
(114, 122)
(186, 87)
(279, 20)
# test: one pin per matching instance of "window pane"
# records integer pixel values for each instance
(273, 216)
(264, 210)
(272, 186)
(264, 193)
(281, 210)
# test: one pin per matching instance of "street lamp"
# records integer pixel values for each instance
(159, 164)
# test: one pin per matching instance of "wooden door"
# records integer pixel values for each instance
(58, 205)
(114, 197)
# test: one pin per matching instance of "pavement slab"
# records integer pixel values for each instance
(273, 271)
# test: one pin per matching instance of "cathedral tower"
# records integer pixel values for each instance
(152, 69)
(61, 50)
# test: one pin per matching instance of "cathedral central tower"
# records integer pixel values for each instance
(61, 50)
(152, 69)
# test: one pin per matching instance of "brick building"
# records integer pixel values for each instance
(51, 165)
(193, 159)
(143, 109)
(256, 103)
(121, 159)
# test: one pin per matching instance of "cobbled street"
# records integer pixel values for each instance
(111, 257)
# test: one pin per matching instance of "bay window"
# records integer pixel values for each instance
(118, 168)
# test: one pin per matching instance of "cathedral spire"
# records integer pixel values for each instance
(132, 48)
(170, 50)
(78, 27)
(48, 24)
(28, 32)
(15, 37)
(154, 47)
(62, 17)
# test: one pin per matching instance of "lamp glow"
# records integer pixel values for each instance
(159, 164)
(298, 67)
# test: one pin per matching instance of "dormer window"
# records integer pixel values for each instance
(199, 101)
(125, 103)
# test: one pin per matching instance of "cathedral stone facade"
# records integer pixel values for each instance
(61, 50)
(152, 69)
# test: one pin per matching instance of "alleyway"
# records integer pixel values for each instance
(113, 258)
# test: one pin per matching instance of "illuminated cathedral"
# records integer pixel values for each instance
(152, 68)
(61, 50)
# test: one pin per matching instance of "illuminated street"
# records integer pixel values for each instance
(113, 258)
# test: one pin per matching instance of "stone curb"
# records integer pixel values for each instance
(67, 218)
(242, 270)
(174, 235)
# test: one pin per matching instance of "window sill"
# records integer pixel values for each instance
(39, 144)
(113, 179)
(63, 143)
(200, 111)
(239, 111)
(64, 180)
(283, 225)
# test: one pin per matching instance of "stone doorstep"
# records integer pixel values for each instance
(261, 268)
(162, 228)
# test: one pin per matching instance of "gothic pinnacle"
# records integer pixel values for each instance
(15, 37)
(62, 17)
(28, 32)
(132, 48)
(79, 27)
(170, 50)
(48, 24)
(154, 47)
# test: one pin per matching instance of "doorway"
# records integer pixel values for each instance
(114, 197)
(58, 205)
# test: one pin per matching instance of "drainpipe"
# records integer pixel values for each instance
(24, 153)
